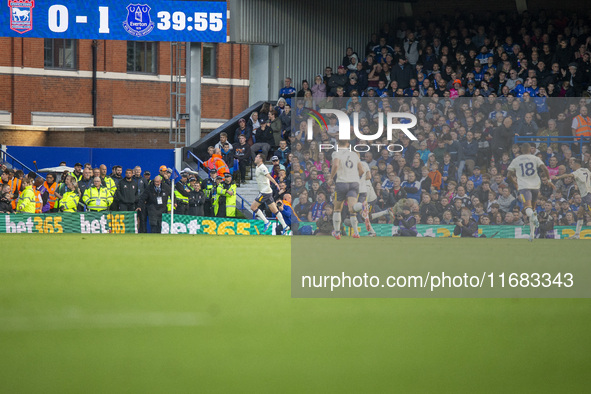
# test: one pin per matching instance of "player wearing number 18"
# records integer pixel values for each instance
(524, 171)
(98, 198)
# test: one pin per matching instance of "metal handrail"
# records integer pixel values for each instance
(20, 163)
(553, 139)
(199, 161)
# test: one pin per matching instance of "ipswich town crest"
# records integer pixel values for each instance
(138, 22)
(21, 15)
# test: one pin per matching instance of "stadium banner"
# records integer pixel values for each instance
(75, 222)
(184, 224)
(491, 231)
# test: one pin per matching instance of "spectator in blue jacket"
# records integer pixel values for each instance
(412, 187)
(476, 177)
(282, 152)
(288, 91)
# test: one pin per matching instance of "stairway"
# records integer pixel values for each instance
(249, 191)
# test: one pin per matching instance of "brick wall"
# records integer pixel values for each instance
(85, 137)
(23, 94)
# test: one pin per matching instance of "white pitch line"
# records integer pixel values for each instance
(79, 321)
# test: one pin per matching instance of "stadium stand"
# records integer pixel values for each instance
(480, 85)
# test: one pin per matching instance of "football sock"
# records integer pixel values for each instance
(364, 212)
(336, 221)
(529, 212)
(280, 218)
(379, 214)
(261, 216)
(354, 224)
(579, 226)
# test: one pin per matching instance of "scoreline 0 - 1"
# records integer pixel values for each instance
(155, 20)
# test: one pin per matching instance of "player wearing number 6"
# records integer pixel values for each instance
(348, 170)
(583, 178)
(524, 171)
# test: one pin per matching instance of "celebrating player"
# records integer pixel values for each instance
(266, 194)
(583, 178)
(524, 171)
(347, 168)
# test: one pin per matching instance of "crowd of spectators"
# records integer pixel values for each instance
(459, 161)
(88, 189)
(464, 55)
(474, 83)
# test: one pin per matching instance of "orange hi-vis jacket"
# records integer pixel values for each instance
(38, 200)
(15, 188)
(584, 129)
(216, 162)
(51, 190)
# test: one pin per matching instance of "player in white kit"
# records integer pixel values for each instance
(347, 168)
(583, 178)
(524, 171)
(364, 185)
(265, 196)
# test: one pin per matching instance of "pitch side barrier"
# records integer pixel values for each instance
(126, 223)
(74, 222)
(447, 231)
(226, 226)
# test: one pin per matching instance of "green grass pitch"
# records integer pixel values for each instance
(186, 314)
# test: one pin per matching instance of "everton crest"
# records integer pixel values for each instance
(138, 22)
(21, 15)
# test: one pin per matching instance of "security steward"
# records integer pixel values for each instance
(156, 200)
(16, 186)
(181, 195)
(69, 201)
(51, 186)
(216, 197)
(581, 125)
(208, 189)
(196, 198)
(98, 198)
(107, 180)
(27, 200)
(226, 192)
(85, 183)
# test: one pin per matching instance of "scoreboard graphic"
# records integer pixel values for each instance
(186, 21)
